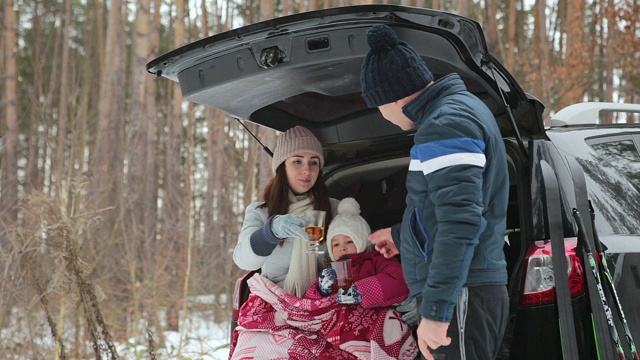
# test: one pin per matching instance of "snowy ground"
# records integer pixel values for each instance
(200, 338)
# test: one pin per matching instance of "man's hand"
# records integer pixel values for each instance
(431, 335)
(383, 242)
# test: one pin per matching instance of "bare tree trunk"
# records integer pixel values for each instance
(267, 9)
(134, 220)
(106, 184)
(78, 164)
(629, 88)
(540, 53)
(9, 179)
(511, 34)
(63, 108)
(212, 210)
(490, 25)
(267, 137)
(610, 16)
(221, 186)
(287, 8)
(102, 174)
(188, 178)
(174, 219)
(576, 63)
(33, 175)
(150, 202)
(49, 115)
(225, 195)
(463, 7)
(250, 179)
(595, 42)
(210, 218)
(100, 36)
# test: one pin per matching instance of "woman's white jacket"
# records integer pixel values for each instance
(273, 266)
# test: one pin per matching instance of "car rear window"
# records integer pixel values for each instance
(614, 168)
(622, 155)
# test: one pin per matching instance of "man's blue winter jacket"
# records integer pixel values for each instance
(452, 231)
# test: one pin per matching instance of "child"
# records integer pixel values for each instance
(378, 281)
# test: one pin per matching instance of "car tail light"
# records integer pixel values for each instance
(236, 299)
(539, 282)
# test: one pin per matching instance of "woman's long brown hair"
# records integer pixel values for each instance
(276, 194)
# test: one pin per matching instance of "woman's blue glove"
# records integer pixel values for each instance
(289, 225)
(325, 281)
(349, 295)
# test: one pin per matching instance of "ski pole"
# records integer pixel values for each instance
(596, 274)
(614, 294)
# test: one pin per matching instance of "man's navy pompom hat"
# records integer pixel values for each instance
(392, 70)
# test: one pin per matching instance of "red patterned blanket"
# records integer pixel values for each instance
(276, 325)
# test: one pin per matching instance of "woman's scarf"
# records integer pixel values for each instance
(303, 268)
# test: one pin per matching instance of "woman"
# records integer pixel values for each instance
(271, 234)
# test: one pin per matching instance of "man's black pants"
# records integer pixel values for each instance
(482, 326)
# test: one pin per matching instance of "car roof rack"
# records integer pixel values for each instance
(588, 113)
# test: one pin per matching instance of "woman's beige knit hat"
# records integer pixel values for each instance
(296, 140)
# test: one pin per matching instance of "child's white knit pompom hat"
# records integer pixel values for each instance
(349, 222)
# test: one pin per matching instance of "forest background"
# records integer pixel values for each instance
(119, 201)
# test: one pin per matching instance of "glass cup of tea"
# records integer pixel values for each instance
(344, 277)
(314, 226)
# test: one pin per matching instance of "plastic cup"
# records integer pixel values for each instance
(344, 277)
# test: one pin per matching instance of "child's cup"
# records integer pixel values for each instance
(344, 277)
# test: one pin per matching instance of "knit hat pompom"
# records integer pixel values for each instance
(349, 222)
(391, 70)
(381, 36)
(349, 207)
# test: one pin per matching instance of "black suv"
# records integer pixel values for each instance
(304, 69)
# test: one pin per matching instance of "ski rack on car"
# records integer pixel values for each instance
(603, 347)
(556, 234)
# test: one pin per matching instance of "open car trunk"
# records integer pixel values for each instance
(304, 69)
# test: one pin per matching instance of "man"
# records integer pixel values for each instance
(451, 236)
